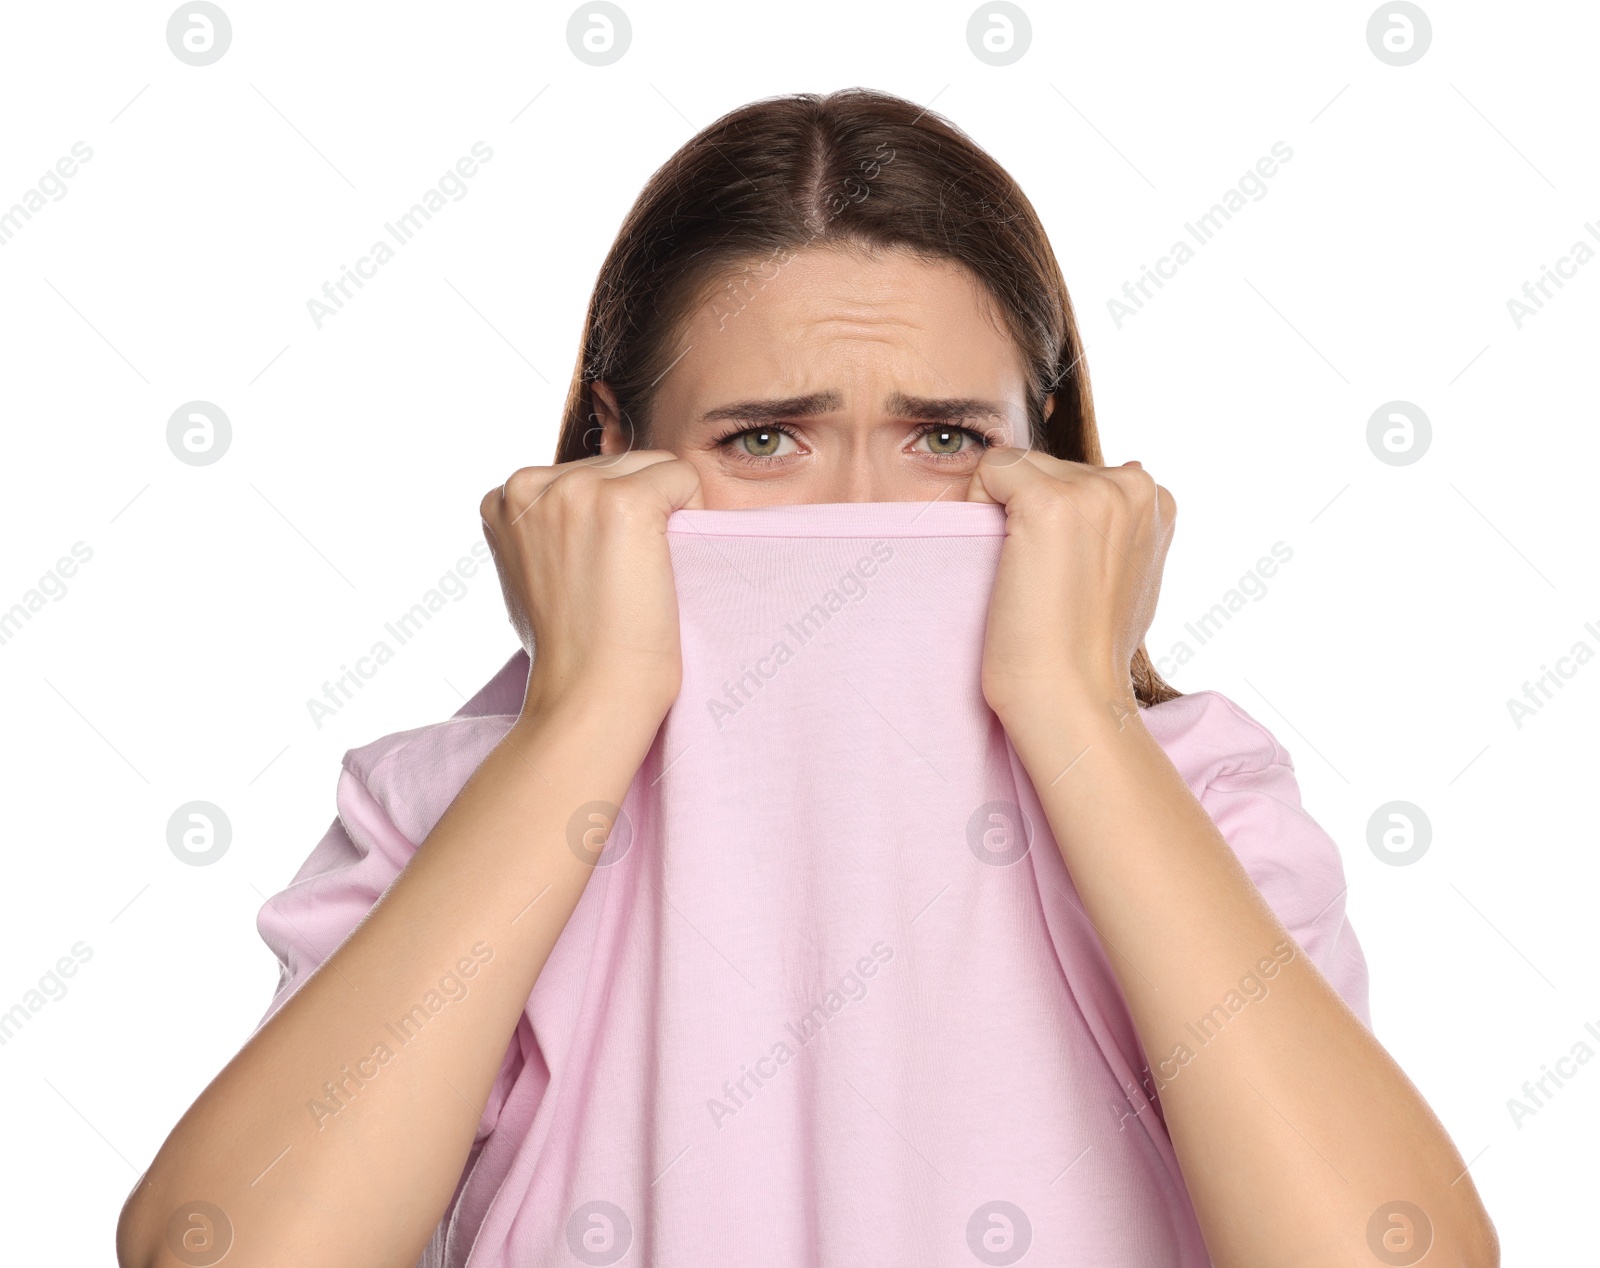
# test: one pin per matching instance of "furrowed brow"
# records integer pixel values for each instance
(942, 409)
(775, 410)
(919, 408)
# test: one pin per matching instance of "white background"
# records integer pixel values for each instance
(219, 199)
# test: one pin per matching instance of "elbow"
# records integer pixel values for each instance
(1482, 1245)
(1474, 1241)
(148, 1237)
(135, 1245)
(1469, 1241)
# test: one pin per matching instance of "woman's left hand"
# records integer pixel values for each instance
(1079, 575)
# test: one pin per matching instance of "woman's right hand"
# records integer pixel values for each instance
(581, 550)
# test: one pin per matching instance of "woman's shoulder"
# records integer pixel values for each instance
(1209, 736)
(416, 773)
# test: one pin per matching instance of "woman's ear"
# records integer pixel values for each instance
(605, 418)
(1049, 406)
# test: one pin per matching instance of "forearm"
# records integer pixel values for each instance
(495, 882)
(1291, 1123)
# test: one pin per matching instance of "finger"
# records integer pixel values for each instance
(622, 464)
(609, 466)
(1003, 470)
(532, 483)
(674, 482)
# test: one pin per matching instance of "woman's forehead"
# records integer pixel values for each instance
(843, 322)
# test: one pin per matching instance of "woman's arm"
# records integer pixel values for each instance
(1293, 1125)
(370, 1187)
(583, 562)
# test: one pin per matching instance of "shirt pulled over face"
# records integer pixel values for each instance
(830, 994)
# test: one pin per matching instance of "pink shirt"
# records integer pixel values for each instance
(826, 999)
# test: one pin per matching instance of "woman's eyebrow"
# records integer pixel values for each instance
(774, 410)
(921, 408)
(942, 409)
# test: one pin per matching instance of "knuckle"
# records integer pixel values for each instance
(1137, 480)
(528, 488)
(617, 504)
(523, 483)
(1058, 503)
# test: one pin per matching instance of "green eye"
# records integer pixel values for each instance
(761, 443)
(948, 442)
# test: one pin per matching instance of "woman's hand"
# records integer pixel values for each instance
(582, 554)
(1078, 579)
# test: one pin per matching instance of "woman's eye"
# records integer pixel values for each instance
(948, 442)
(766, 444)
(762, 442)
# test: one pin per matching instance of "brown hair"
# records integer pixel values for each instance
(858, 168)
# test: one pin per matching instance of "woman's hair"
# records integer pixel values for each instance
(854, 168)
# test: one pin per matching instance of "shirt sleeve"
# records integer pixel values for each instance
(338, 884)
(1296, 866)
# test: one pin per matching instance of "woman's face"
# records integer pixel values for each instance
(837, 376)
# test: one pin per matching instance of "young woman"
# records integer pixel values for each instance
(817, 300)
